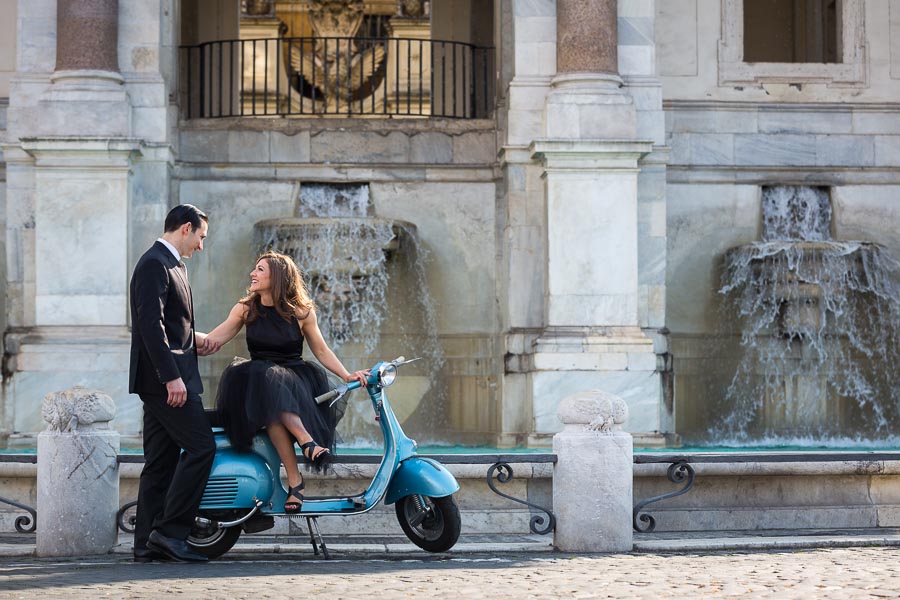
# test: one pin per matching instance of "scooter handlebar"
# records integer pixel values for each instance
(327, 396)
(337, 392)
(348, 387)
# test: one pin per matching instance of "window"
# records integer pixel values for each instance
(790, 31)
(792, 41)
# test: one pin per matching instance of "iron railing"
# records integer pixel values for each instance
(337, 76)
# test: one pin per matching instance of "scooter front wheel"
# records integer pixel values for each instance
(432, 524)
(212, 542)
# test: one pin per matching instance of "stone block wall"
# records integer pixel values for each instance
(753, 496)
(436, 174)
(721, 155)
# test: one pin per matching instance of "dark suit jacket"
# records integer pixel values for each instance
(162, 325)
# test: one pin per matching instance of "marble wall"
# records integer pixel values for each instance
(728, 140)
(8, 8)
(435, 175)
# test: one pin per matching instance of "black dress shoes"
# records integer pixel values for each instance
(146, 555)
(173, 548)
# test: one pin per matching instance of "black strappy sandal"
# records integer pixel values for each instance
(293, 507)
(319, 460)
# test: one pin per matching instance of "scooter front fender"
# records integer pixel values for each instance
(422, 476)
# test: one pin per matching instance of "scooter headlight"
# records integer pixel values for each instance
(386, 375)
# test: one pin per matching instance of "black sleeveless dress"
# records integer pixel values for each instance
(252, 393)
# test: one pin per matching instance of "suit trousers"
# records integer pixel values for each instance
(178, 454)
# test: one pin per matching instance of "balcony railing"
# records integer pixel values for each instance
(336, 76)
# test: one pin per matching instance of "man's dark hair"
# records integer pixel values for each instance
(184, 213)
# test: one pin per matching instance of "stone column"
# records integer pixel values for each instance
(87, 35)
(592, 479)
(74, 152)
(591, 156)
(78, 475)
(586, 31)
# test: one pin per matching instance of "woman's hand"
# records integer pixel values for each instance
(360, 376)
(207, 344)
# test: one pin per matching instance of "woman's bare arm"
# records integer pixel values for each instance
(225, 331)
(326, 357)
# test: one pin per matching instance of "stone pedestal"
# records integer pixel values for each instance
(592, 479)
(81, 214)
(591, 315)
(78, 475)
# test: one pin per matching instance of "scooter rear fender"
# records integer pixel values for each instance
(237, 479)
(422, 476)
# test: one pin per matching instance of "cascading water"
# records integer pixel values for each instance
(366, 276)
(343, 252)
(820, 330)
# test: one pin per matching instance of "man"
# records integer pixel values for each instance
(178, 441)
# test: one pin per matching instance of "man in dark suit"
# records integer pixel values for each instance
(178, 441)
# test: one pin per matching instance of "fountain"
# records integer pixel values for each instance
(360, 269)
(819, 330)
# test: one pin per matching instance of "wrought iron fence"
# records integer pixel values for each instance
(337, 76)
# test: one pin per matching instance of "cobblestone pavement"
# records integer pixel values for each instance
(827, 573)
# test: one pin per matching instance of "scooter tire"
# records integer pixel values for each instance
(213, 544)
(441, 528)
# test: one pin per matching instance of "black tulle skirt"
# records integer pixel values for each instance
(254, 393)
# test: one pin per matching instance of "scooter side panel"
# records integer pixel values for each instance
(236, 479)
(422, 476)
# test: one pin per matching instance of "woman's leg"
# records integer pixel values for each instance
(284, 445)
(294, 424)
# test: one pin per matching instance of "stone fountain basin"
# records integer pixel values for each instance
(762, 257)
(793, 274)
(345, 244)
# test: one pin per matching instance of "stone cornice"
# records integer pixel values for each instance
(590, 154)
(697, 105)
(82, 152)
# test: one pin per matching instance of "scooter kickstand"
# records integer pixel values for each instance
(315, 537)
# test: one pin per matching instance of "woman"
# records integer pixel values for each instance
(276, 388)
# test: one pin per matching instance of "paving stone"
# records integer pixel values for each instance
(822, 573)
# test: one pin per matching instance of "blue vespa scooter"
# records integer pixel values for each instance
(244, 492)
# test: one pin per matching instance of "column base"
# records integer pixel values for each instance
(84, 102)
(589, 106)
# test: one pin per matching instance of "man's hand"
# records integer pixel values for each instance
(177, 393)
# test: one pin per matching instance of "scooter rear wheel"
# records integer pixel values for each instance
(440, 528)
(213, 543)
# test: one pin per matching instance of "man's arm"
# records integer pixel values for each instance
(151, 288)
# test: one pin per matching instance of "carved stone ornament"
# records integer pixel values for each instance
(68, 410)
(337, 66)
(413, 8)
(593, 410)
(336, 18)
(258, 8)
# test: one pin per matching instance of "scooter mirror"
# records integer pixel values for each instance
(402, 361)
